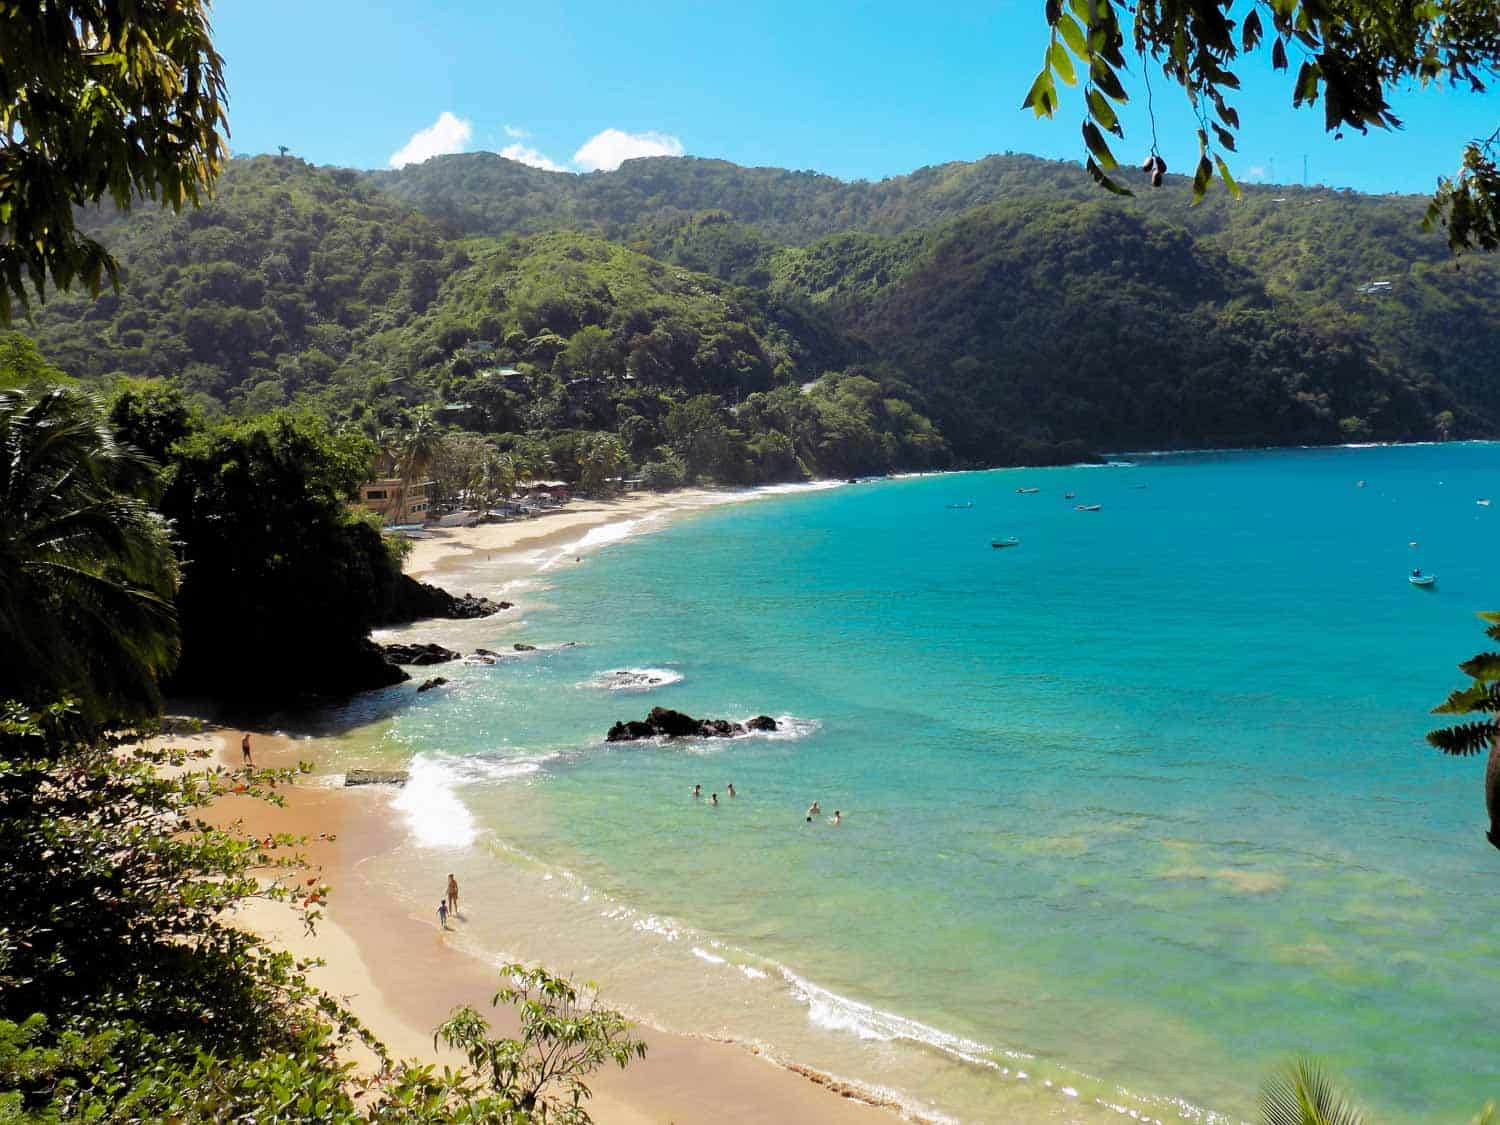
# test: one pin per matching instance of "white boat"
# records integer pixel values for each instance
(1422, 579)
(1483, 503)
(1010, 541)
(1027, 491)
(1088, 507)
(970, 504)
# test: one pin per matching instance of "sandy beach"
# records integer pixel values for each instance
(402, 975)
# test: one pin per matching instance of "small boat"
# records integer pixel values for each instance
(970, 504)
(1010, 541)
(1483, 503)
(1137, 486)
(1027, 491)
(1417, 578)
(1069, 495)
(1088, 507)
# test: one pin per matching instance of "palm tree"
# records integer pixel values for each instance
(413, 451)
(1482, 696)
(87, 571)
(1304, 1095)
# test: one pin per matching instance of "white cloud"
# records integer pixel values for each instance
(531, 156)
(446, 134)
(513, 133)
(606, 151)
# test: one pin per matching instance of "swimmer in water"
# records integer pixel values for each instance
(812, 811)
(713, 799)
(697, 791)
(729, 789)
(838, 818)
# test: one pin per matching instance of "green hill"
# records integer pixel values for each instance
(1008, 301)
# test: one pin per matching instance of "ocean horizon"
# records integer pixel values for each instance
(1132, 812)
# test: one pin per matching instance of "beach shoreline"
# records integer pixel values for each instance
(402, 975)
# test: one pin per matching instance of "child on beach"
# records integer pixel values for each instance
(443, 913)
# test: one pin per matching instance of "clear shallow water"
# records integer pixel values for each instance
(1135, 810)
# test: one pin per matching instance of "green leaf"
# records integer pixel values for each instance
(1073, 35)
(1104, 181)
(1201, 177)
(1229, 182)
(1103, 112)
(1307, 84)
(1102, 76)
(1062, 63)
(1041, 99)
(1095, 141)
(1304, 1095)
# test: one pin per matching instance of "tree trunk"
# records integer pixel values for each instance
(1492, 789)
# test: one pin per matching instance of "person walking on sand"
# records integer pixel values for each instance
(729, 789)
(443, 913)
(245, 751)
(452, 895)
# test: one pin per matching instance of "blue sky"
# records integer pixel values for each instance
(857, 90)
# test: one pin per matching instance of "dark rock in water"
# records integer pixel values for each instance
(420, 655)
(428, 685)
(369, 669)
(409, 600)
(376, 777)
(665, 723)
(519, 647)
(627, 679)
(761, 722)
(484, 652)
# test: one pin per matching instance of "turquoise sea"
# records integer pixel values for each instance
(1133, 811)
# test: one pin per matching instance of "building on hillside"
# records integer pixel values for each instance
(396, 502)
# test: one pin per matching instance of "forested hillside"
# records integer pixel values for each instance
(750, 324)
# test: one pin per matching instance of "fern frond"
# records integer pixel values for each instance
(1475, 697)
(1485, 666)
(1463, 739)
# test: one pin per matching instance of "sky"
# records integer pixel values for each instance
(858, 90)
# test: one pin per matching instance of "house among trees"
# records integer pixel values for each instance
(397, 501)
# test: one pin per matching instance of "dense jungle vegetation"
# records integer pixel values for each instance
(744, 324)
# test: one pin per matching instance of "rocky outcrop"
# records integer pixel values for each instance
(376, 777)
(428, 685)
(368, 669)
(420, 655)
(663, 722)
(409, 600)
(520, 646)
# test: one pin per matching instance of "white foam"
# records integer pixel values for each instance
(430, 805)
(633, 679)
(753, 973)
(711, 958)
(833, 1012)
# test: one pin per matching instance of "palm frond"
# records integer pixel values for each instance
(1463, 739)
(1303, 1094)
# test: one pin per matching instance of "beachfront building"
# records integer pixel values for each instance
(396, 501)
(545, 493)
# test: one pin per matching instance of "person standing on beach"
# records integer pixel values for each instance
(245, 751)
(452, 894)
(443, 913)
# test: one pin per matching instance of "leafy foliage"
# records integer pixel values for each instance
(1481, 696)
(87, 572)
(1352, 52)
(98, 98)
(1304, 1095)
(565, 1037)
